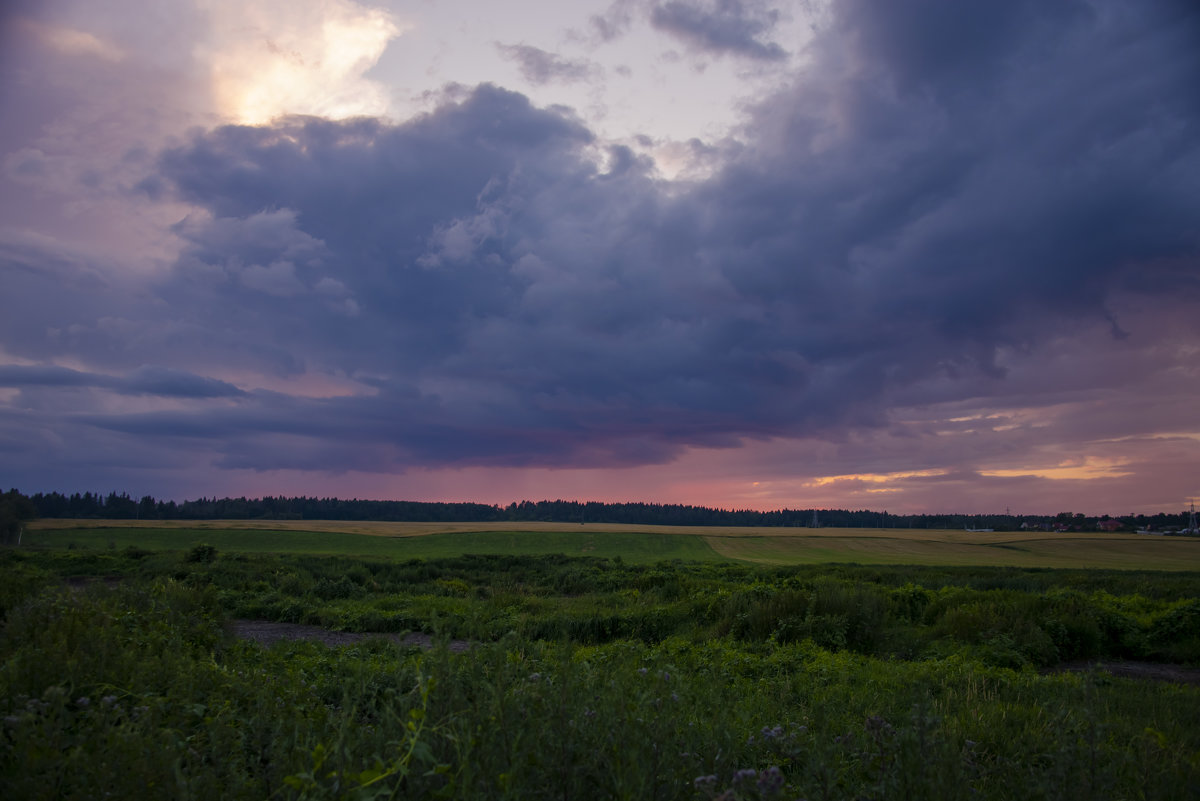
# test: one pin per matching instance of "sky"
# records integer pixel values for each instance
(913, 256)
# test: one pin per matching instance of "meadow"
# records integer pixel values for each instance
(651, 665)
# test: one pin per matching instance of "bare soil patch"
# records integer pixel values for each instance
(80, 583)
(1150, 671)
(266, 632)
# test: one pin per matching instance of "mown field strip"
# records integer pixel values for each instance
(1051, 550)
(776, 546)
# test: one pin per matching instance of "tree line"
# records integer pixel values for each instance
(121, 506)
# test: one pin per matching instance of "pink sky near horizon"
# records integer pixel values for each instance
(735, 479)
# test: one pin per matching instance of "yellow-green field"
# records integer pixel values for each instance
(776, 546)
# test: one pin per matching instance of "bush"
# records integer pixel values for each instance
(202, 553)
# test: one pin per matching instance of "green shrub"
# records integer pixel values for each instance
(202, 553)
(341, 587)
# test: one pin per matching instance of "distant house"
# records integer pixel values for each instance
(1109, 524)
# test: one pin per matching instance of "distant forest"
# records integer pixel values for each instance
(123, 507)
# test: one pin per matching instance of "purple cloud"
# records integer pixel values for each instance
(146, 380)
(541, 67)
(724, 27)
(915, 222)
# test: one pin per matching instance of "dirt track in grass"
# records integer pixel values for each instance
(265, 632)
(1150, 671)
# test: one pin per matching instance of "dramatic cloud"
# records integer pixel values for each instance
(957, 249)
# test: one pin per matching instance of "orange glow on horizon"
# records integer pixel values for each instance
(872, 478)
(1088, 469)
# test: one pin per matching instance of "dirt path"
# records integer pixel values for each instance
(266, 632)
(1151, 671)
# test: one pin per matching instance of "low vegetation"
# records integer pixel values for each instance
(588, 677)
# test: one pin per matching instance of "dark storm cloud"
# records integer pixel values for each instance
(923, 198)
(169, 383)
(541, 67)
(147, 380)
(724, 27)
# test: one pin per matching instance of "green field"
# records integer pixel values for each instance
(633, 547)
(637, 544)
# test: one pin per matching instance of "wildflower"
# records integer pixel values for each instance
(770, 783)
(743, 775)
(705, 781)
(878, 727)
(772, 732)
(535, 676)
(108, 700)
(83, 702)
(642, 671)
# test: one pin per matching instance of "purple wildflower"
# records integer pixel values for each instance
(743, 775)
(770, 782)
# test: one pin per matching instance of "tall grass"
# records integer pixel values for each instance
(588, 679)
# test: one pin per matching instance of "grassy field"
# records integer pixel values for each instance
(633, 547)
(705, 663)
(640, 544)
(874, 546)
(555, 677)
